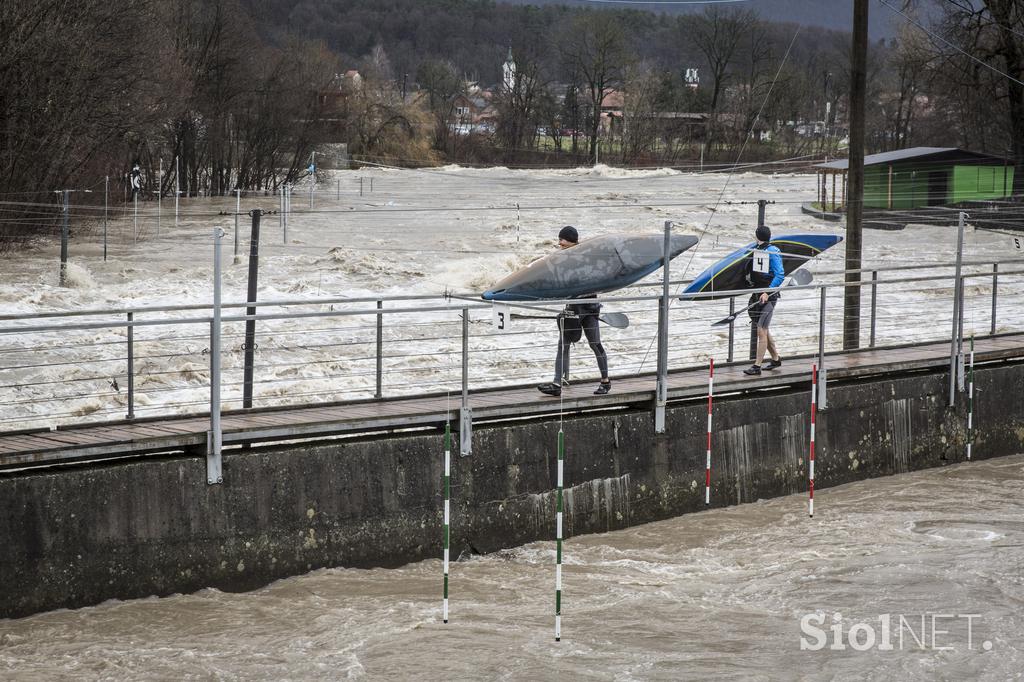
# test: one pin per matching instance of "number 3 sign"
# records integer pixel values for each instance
(501, 317)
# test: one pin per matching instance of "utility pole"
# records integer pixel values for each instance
(855, 200)
(65, 231)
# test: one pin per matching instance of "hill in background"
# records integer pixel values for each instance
(831, 14)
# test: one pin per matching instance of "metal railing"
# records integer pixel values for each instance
(152, 361)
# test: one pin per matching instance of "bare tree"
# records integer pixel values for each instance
(993, 31)
(520, 103)
(639, 112)
(595, 50)
(441, 84)
(909, 63)
(718, 34)
(755, 71)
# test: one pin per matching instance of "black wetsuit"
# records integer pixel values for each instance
(579, 319)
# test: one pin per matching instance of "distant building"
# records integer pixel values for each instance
(691, 79)
(474, 112)
(919, 177)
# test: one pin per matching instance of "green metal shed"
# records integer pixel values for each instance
(917, 177)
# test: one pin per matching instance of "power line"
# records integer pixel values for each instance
(993, 22)
(961, 51)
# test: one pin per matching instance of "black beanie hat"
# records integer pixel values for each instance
(569, 234)
(763, 233)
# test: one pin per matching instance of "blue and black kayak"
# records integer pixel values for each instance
(595, 265)
(727, 277)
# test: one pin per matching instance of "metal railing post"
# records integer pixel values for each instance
(287, 210)
(64, 236)
(131, 366)
(732, 326)
(380, 352)
(822, 377)
(214, 440)
(995, 295)
(238, 207)
(465, 414)
(874, 306)
(661, 390)
(955, 348)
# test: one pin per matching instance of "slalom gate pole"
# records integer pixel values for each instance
(558, 537)
(970, 402)
(707, 471)
(814, 412)
(447, 509)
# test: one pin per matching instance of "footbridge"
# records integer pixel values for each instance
(161, 449)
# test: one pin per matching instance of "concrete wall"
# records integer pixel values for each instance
(78, 536)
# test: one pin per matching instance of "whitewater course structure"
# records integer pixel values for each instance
(162, 487)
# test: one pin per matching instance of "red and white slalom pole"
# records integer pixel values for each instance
(707, 469)
(814, 412)
(970, 404)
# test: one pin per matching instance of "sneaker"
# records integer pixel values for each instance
(550, 389)
(603, 388)
(753, 370)
(565, 381)
(772, 364)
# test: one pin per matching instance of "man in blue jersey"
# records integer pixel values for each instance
(764, 270)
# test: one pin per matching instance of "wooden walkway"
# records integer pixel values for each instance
(170, 434)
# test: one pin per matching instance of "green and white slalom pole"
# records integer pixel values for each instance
(970, 403)
(558, 537)
(447, 509)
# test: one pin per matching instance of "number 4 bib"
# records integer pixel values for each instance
(762, 261)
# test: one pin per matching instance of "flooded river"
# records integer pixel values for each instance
(917, 576)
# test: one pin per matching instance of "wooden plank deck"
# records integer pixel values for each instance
(288, 423)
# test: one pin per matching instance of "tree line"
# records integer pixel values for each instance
(952, 81)
(90, 88)
(241, 92)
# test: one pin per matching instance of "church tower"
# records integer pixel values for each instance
(508, 72)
